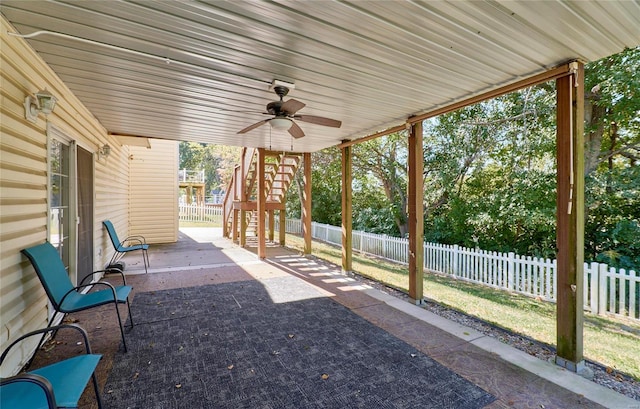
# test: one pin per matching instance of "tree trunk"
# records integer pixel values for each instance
(594, 125)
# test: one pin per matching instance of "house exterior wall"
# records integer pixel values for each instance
(154, 191)
(24, 185)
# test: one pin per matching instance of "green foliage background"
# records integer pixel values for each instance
(490, 172)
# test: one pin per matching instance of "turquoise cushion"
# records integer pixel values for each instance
(69, 378)
(21, 395)
(124, 249)
(78, 302)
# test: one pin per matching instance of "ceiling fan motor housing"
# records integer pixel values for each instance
(275, 107)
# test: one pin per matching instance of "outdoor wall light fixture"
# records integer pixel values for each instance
(42, 101)
(280, 124)
(104, 151)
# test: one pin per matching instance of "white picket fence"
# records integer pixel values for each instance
(198, 213)
(607, 290)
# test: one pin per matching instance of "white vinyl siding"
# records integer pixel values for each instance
(23, 185)
(154, 191)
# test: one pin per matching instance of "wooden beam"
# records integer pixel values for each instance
(416, 214)
(243, 228)
(347, 222)
(262, 201)
(570, 219)
(306, 204)
(373, 136)
(552, 74)
(272, 224)
(234, 225)
(282, 233)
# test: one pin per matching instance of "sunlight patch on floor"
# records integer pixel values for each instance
(361, 287)
(287, 288)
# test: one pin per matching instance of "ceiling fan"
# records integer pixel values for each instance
(284, 113)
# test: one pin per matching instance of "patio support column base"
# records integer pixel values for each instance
(579, 368)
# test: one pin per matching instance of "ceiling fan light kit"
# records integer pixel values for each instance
(280, 124)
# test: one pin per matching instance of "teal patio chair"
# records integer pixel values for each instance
(66, 298)
(58, 385)
(130, 243)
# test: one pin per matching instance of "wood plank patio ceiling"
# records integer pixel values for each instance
(368, 64)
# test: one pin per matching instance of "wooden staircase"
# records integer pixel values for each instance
(240, 204)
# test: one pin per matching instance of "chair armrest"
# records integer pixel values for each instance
(39, 381)
(112, 270)
(139, 238)
(87, 276)
(128, 242)
(44, 331)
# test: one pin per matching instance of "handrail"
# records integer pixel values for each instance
(190, 176)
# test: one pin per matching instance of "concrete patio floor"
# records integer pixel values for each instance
(201, 256)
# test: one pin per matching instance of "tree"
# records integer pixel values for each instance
(489, 174)
(385, 160)
(217, 161)
(612, 109)
(612, 159)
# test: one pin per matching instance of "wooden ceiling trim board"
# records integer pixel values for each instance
(555, 73)
(386, 132)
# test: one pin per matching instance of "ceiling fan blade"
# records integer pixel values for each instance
(295, 130)
(254, 126)
(292, 106)
(319, 120)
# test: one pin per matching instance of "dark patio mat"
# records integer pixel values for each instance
(231, 346)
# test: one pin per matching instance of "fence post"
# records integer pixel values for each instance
(426, 256)
(593, 273)
(632, 294)
(602, 288)
(384, 246)
(455, 265)
(510, 270)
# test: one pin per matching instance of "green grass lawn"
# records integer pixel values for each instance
(610, 341)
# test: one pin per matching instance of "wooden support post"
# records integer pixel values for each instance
(234, 225)
(262, 205)
(306, 204)
(225, 225)
(347, 222)
(243, 228)
(283, 226)
(570, 218)
(416, 214)
(272, 225)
